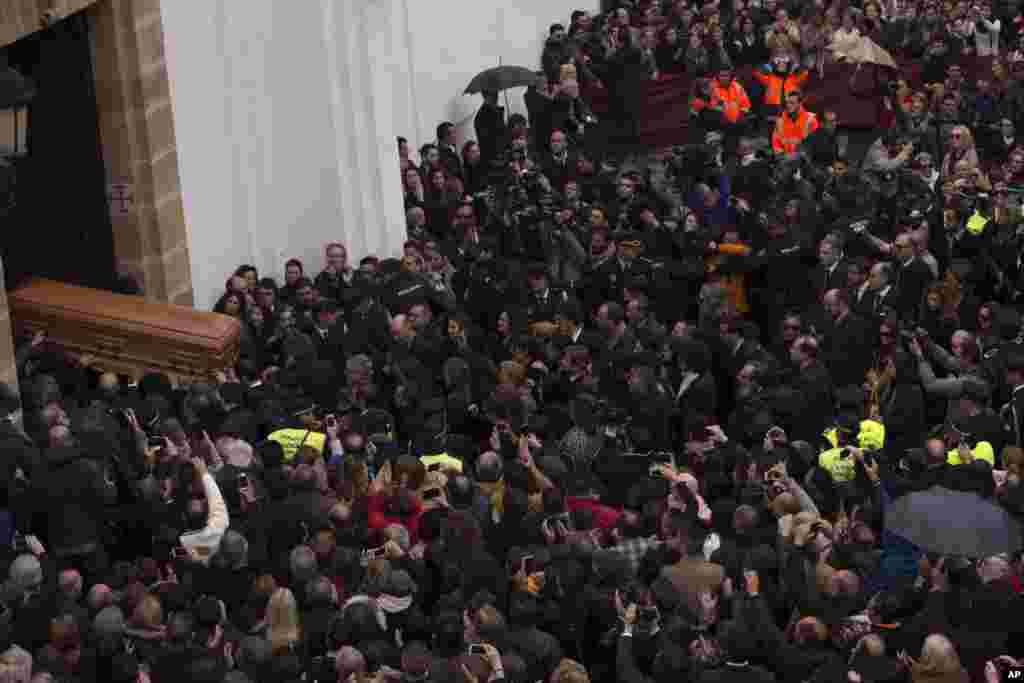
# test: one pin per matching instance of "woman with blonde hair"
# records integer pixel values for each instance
(961, 148)
(284, 630)
(939, 662)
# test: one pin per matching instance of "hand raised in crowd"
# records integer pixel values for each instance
(133, 421)
(200, 467)
(393, 551)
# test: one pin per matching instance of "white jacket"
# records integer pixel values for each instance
(203, 544)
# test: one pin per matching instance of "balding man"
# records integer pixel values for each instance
(100, 596)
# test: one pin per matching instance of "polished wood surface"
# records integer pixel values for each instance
(127, 334)
(19, 18)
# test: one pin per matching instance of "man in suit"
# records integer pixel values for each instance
(831, 271)
(862, 297)
(847, 348)
(559, 164)
(912, 277)
(450, 157)
(884, 294)
(490, 128)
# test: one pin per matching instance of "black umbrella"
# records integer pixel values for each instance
(501, 78)
(953, 523)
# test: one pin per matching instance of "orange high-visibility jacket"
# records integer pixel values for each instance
(790, 132)
(776, 87)
(733, 100)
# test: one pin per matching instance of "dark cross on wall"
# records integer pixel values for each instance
(120, 195)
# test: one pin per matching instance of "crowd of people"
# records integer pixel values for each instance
(607, 418)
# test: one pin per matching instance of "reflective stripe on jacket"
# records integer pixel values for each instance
(733, 100)
(776, 86)
(790, 132)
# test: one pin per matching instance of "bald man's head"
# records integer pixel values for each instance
(100, 596)
(109, 382)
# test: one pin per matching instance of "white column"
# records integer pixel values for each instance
(372, 216)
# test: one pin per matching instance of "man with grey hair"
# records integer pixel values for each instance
(302, 564)
(25, 575)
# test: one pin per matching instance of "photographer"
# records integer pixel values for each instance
(967, 373)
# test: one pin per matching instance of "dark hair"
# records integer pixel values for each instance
(443, 129)
(294, 262)
(221, 305)
(616, 313)
(402, 141)
(466, 145)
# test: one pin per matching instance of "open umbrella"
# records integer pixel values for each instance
(953, 523)
(499, 78)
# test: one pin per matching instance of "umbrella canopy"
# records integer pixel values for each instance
(501, 78)
(863, 50)
(953, 523)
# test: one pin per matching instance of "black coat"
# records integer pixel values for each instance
(912, 279)
(490, 132)
(847, 349)
(71, 499)
(815, 389)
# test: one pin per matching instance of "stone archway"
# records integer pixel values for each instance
(137, 133)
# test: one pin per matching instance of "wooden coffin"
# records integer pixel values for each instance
(127, 334)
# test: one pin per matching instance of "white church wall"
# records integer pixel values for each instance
(286, 115)
(452, 40)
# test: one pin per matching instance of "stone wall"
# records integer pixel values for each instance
(139, 148)
(137, 134)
